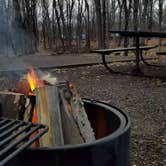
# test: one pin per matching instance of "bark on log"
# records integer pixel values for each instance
(71, 131)
(81, 117)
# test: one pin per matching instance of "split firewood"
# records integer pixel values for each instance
(48, 113)
(71, 131)
(79, 114)
(75, 124)
(16, 105)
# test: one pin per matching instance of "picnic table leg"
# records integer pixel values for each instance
(137, 53)
(137, 69)
(106, 65)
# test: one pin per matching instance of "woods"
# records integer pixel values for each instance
(77, 25)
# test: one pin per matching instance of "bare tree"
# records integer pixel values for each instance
(160, 18)
(46, 25)
(98, 6)
(101, 14)
(57, 18)
(87, 25)
(120, 7)
(127, 11)
(150, 14)
(69, 6)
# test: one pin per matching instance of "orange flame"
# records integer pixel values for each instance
(33, 80)
(34, 120)
(34, 117)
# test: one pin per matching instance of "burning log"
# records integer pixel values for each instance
(81, 117)
(77, 111)
(75, 124)
(65, 125)
(71, 131)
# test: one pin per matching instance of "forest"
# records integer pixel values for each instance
(74, 25)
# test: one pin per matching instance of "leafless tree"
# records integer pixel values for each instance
(77, 25)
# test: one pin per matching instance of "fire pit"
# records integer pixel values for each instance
(111, 147)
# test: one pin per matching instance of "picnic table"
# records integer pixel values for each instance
(137, 35)
(104, 52)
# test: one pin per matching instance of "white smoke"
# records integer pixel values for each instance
(13, 39)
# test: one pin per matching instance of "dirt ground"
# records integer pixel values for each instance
(143, 98)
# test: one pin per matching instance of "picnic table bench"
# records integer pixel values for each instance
(161, 52)
(104, 52)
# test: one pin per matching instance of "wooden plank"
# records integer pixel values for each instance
(48, 113)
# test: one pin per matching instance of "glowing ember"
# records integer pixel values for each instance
(34, 118)
(69, 107)
(71, 86)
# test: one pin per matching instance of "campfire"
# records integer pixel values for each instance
(45, 99)
(81, 131)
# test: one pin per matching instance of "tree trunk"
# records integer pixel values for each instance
(150, 17)
(60, 34)
(63, 20)
(160, 19)
(99, 23)
(127, 9)
(120, 4)
(87, 26)
(135, 18)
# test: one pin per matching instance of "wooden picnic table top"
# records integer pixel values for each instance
(140, 34)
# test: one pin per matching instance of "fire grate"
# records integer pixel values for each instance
(16, 135)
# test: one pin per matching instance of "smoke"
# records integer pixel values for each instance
(14, 41)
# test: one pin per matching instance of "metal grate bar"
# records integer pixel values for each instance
(6, 126)
(15, 136)
(3, 121)
(11, 130)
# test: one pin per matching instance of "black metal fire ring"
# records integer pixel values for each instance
(124, 127)
(112, 147)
